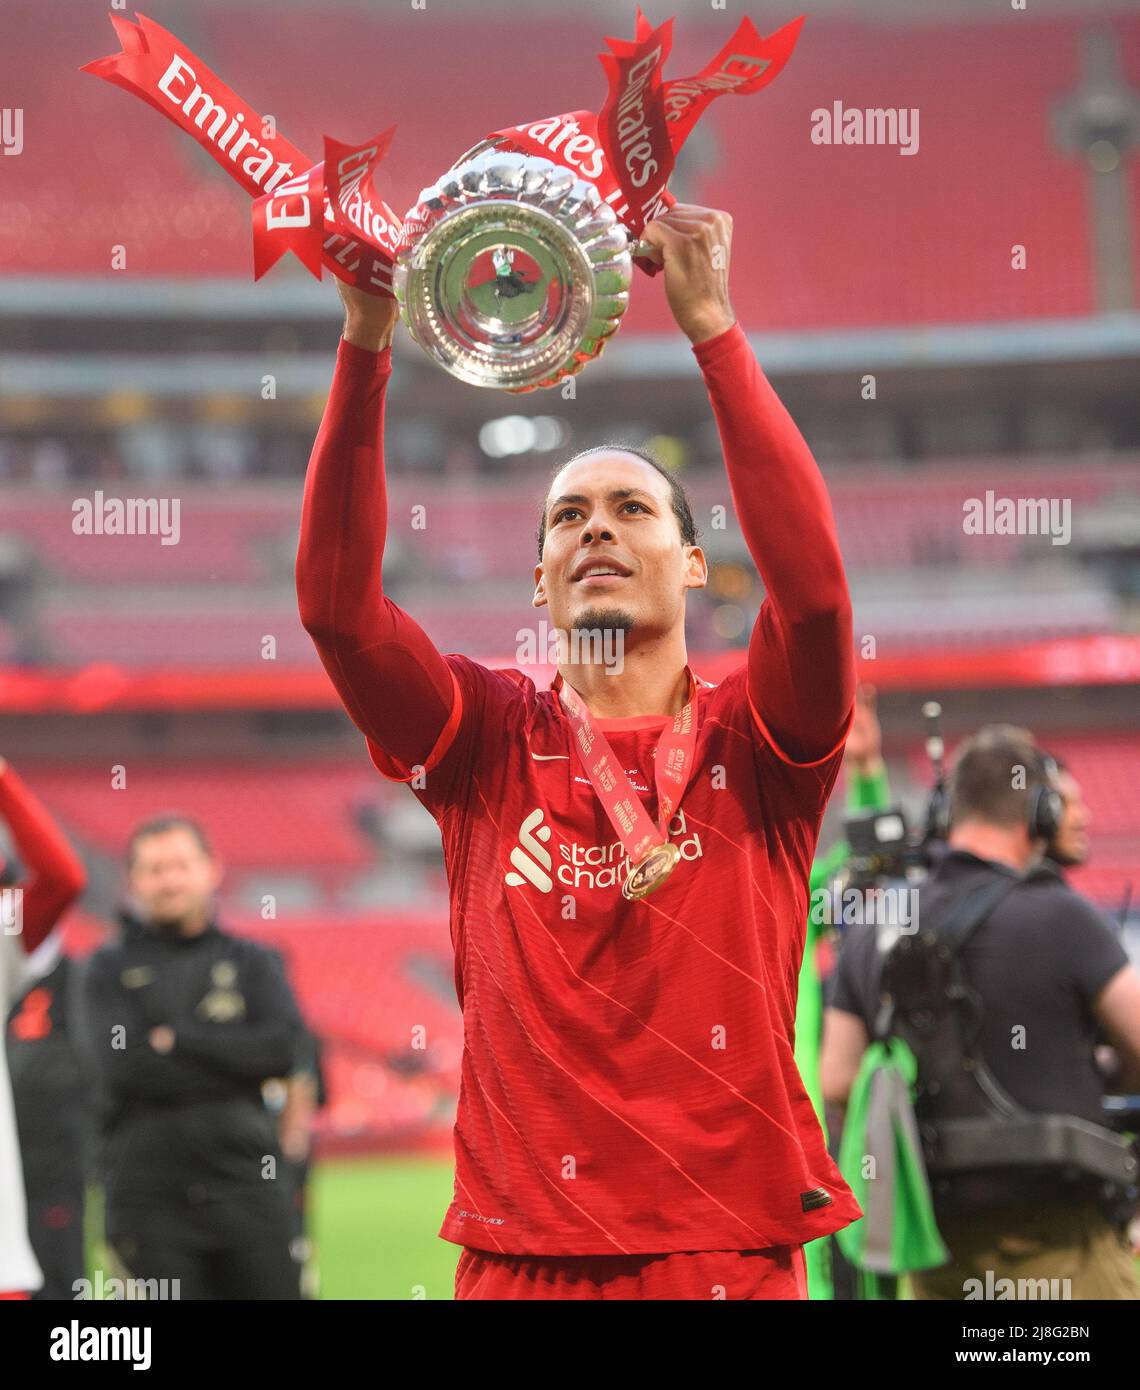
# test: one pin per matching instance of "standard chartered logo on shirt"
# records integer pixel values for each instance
(530, 857)
(595, 866)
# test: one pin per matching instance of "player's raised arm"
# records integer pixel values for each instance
(801, 660)
(395, 685)
(54, 874)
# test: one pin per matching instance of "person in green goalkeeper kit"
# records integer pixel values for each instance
(867, 789)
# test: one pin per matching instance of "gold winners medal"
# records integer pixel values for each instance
(674, 758)
(652, 872)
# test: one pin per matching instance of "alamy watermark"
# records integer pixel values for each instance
(114, 1290)
(890, 906)
(77, 1343)
(579, 646)
(127, 516)
(1019, 516)
(878, 125)
(1005, 1288)
(12, 129)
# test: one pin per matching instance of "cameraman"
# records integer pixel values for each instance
(1048, 969)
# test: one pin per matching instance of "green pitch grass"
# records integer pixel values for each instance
(373, 1222)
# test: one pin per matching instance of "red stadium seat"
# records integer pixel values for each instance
(141, 182)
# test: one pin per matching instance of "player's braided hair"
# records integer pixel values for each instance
(682, 509)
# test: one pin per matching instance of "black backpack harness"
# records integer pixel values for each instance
(980, 1144)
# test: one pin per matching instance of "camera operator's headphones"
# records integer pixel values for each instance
(1044, 809)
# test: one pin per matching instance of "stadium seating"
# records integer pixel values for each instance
(359, 984)
(259, 815)
(250, 534)
(176, 639)
(303, 817)
(212, 599)
(891, 217)
(226, 540)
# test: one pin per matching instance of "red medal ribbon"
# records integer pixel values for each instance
(674, 758)
(326, 213)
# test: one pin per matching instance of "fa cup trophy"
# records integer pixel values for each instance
(518, 273)
(512, 270)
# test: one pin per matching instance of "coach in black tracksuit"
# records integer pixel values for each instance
(185, 1024)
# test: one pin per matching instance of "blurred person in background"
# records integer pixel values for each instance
(32, 901)
(51, 1089)
(185, 1024)
(1069, 848)
(1043, 960)
(295, 1101)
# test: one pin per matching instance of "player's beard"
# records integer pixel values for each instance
(597, 638)
(604, 620)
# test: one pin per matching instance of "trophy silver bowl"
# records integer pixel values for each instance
(514, 271)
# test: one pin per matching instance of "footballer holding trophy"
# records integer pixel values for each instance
(627, 851)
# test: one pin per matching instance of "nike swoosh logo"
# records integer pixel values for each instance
(548, 757)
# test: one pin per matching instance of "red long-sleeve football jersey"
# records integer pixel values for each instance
(628, 1082)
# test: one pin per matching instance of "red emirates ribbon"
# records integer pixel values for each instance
(645, 121)
(326, 213)
(673, 761)
(746, 63)
(634, 132)
(340, 186)
(628, 150)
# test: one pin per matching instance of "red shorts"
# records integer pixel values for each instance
(776, 1273)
